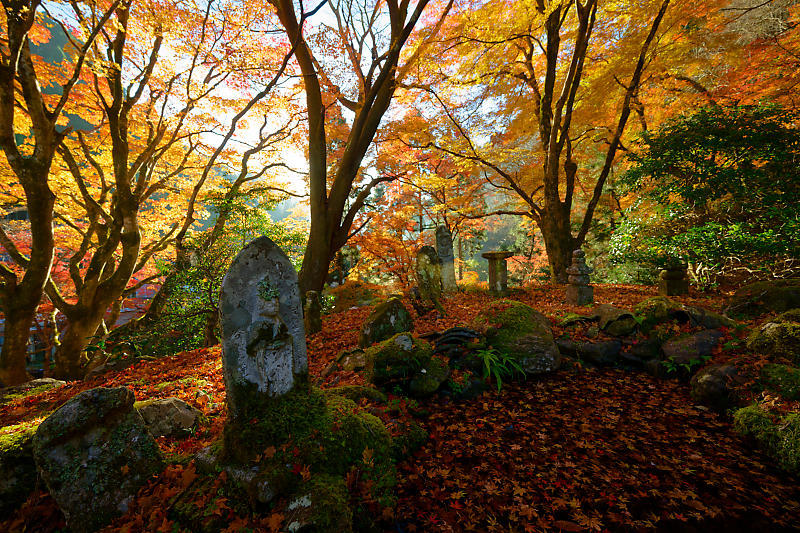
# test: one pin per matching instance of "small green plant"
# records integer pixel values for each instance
(498, 365)
(267, 291)
(672, 366)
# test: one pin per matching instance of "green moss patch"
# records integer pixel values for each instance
(783, 379)
(778, 436)
(396, 360)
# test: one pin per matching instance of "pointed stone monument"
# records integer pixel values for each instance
(429, 276)
(444, 249)
(263, 336)
(579, 292)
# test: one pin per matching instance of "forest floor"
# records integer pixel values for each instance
(578, 450)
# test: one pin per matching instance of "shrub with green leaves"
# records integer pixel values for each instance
(720, 187)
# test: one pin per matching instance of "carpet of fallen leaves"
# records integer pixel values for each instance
(579, 450)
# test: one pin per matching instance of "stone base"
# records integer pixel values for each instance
(580, 294)
(673, 287)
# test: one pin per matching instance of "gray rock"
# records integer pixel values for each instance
(444, 249)
(777, 338)
(170, 417)
(94, 453)
(386, 320)
(660, 309)
(263, 335)
(714, 386)
(603, 353)
(614, 321)
(645, 350)
(691, 348)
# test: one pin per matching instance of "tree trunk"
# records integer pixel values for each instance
(210, 330)
(559, 244)
(13, 369)
(70, 356)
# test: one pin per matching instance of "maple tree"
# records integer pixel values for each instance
(548, 58)
(25, 108)
(149, 120)
(372, 36)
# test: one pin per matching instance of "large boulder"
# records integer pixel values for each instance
(715, 386)
(775, 296)
(521, 333)
(779, 337)
(397, 360)
(94, 453)
(17, 468)
(170, 417)
(387, 319)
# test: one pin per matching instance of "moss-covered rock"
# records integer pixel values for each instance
(94, 453)
(763, 297)
(320, 506)
(387, 319)
(615, 321)
(777, 436)
(429, 378)
(660, 309)
(779, 339)
(170, 417)
(357, 392)
(29, 388)
(396, 360)
(410, 439)
(520, 332)
(783, 379)
(17, 468)
(313, 431)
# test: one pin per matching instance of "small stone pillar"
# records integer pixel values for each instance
(673, 281)
(444, 248)
(579, 292)
(312, 313)
(498, 272)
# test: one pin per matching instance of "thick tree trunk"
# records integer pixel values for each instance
(71, 354)
(13, 369)
(559, 244)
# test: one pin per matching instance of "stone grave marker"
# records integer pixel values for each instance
(429, 276)
(263, 335)
(444, 249)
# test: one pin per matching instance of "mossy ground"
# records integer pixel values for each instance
(310, 436)
(778, 436)
(783, 379)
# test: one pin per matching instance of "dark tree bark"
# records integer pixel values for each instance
(333, 208)
(18, 77)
